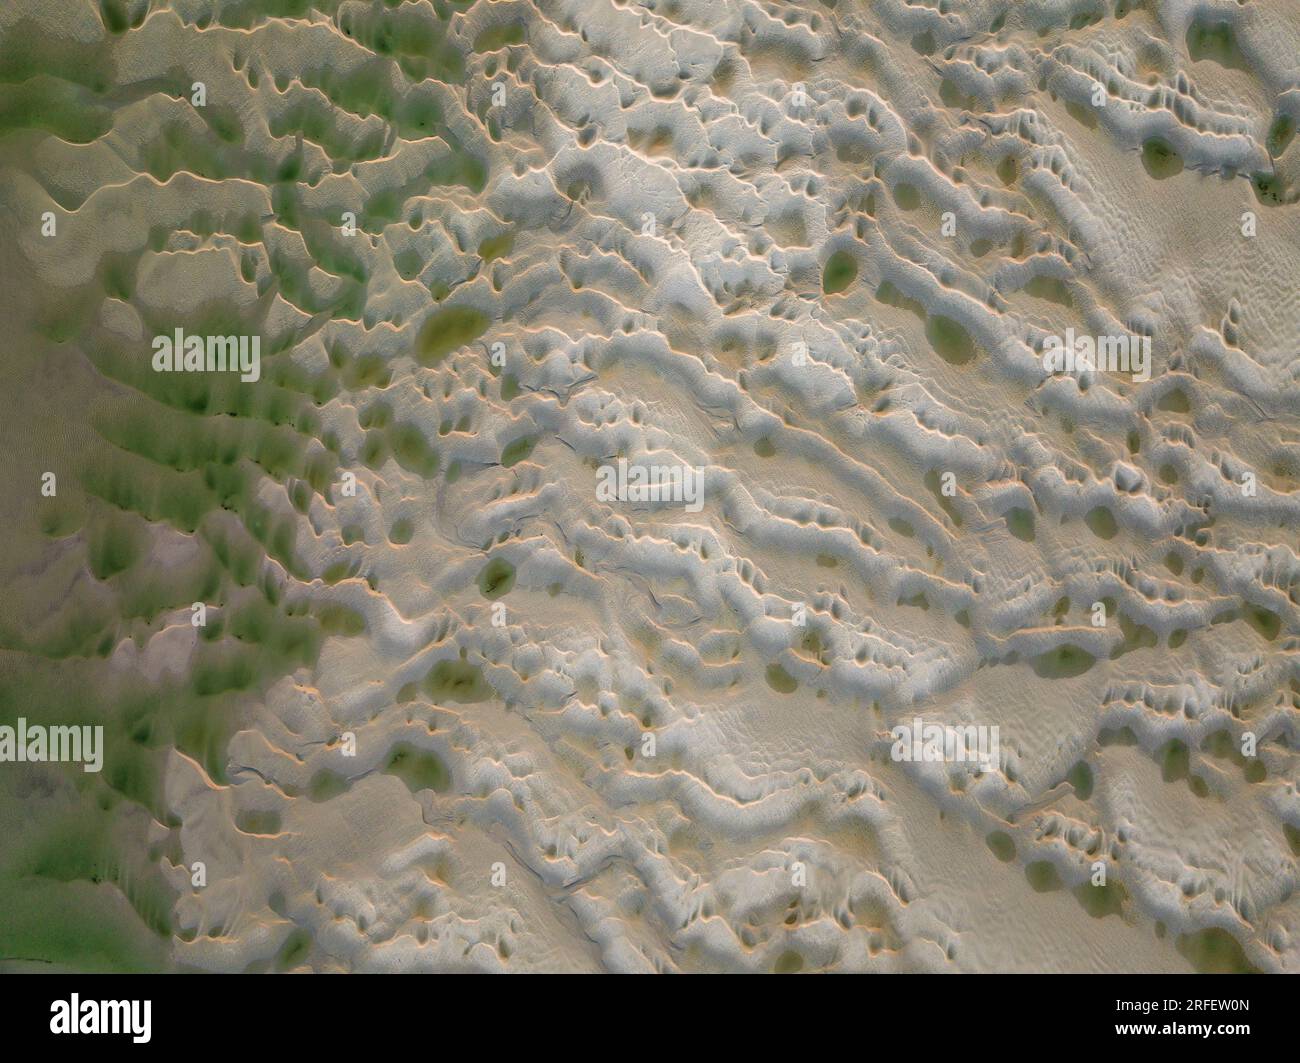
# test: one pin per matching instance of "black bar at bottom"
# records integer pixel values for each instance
(369, 1012)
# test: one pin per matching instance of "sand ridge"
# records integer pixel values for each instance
(453, 708)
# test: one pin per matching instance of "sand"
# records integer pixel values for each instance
(461, 698)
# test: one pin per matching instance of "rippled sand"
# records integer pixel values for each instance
(455, 708)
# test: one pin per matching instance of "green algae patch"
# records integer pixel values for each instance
(337, 619)
(295, 950)
(1123, 736)
(1220, 745)
(1064, 662)
(1215, 951)
(1269, 189)
(1085, 116)
(420, 769)
(326, 785)
(1043, 876)
(1174, 401)
(780, 680)
(366, 371)
(1175, 761)
(1101, 901)
(339, 571)
(1050, 289)
(255, 821)
(1080, 777)
(1280, 134)
(1020, 523)
(1264, 622)
(59, 518)
(1101, 522)
(1001, 845)
(150, 452)
(840, 271)
(497, 37)
(116, 543)
(412, 451)
(497, 578)
(53, 106)
(950, 340)
(789, 962)
(401, 532)
(75, 850)
(448, 330)
(83, 926)
(906, 196)
(517, 451)
(496, 247)
(1160, 160)
(891, 296)
(1215, 42)
(457, 681)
